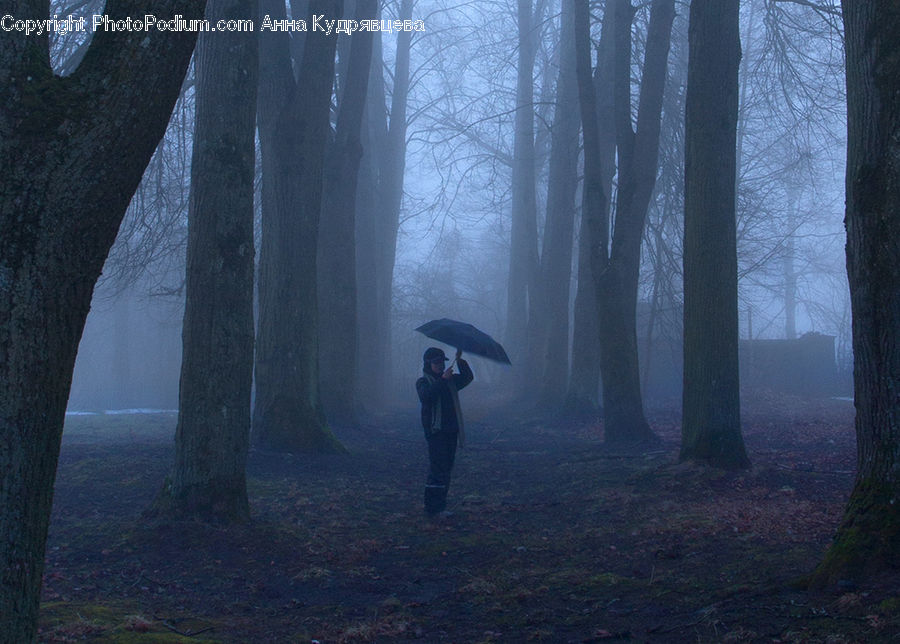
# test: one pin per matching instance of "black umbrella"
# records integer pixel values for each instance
(465, 337)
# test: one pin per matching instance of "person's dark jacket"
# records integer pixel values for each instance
(440, 403)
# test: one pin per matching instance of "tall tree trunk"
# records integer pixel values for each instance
(790, 275)
(392, 189)
(584, 382)
(711, 423)
(213, 431)
(594, 198)
(582, 396)
(523, 260)
(369, 227)
(123, 385)
(65, 182)
(293, 125)
(378, 219)
(868, 540)
(337, 238)
(556, 258)
(617, 281)
(654, 306)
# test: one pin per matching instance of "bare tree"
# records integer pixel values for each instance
(552, 309)
(616, 268)
(379, 202)
(293, 120)
(584, 381)
(790, 127)
(524, 263)
(66, 181)
(338, 322)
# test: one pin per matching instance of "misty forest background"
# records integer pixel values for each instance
(451, 229)
(644, 203)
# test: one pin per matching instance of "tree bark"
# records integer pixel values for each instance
(582, 396)
(868, 540)
(337, 240)
(788, 269)
(293, 125)
(378, 218)
(72, 152)
(392, 189)
(524, 266)
(369, 227)
(556, 257)
(213, 432)
(584, 382)
(711, 423)
(616, 273)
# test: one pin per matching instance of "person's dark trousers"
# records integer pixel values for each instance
(441, 453)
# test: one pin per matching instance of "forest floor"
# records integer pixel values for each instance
(554, 539)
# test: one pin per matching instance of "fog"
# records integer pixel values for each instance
(430, 320)
(453, 236)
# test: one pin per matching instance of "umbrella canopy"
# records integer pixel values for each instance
(465, 337)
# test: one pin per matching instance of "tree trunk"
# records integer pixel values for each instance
(790, 274)
(120, 339)
(582, 396)
(391, 196)
(378, 218)
(213, 431)
(523, 260)
(711, 423)
(654, 306)
(556, 258)
(293, 126)
(369, 226)
(65, 182)
(584, 382)
(337, 239)
(868, 540)
(617, 281)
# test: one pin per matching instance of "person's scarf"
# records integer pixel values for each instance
(436, 408)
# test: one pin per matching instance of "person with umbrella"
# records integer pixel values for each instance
(442, 421)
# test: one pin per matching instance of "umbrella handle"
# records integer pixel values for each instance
(455, 358)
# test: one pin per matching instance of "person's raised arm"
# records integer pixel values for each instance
(465, 375)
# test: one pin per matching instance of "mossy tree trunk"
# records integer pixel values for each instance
(72, 152)
(711, 422)
(868, 539)
(211, 440)
(293, 118)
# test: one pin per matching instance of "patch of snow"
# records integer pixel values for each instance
(141, 410)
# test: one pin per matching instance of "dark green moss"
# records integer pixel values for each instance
(114, 622)
(868, 541)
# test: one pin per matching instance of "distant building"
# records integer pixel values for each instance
(804, 366)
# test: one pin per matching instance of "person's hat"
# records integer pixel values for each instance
(432, 354)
